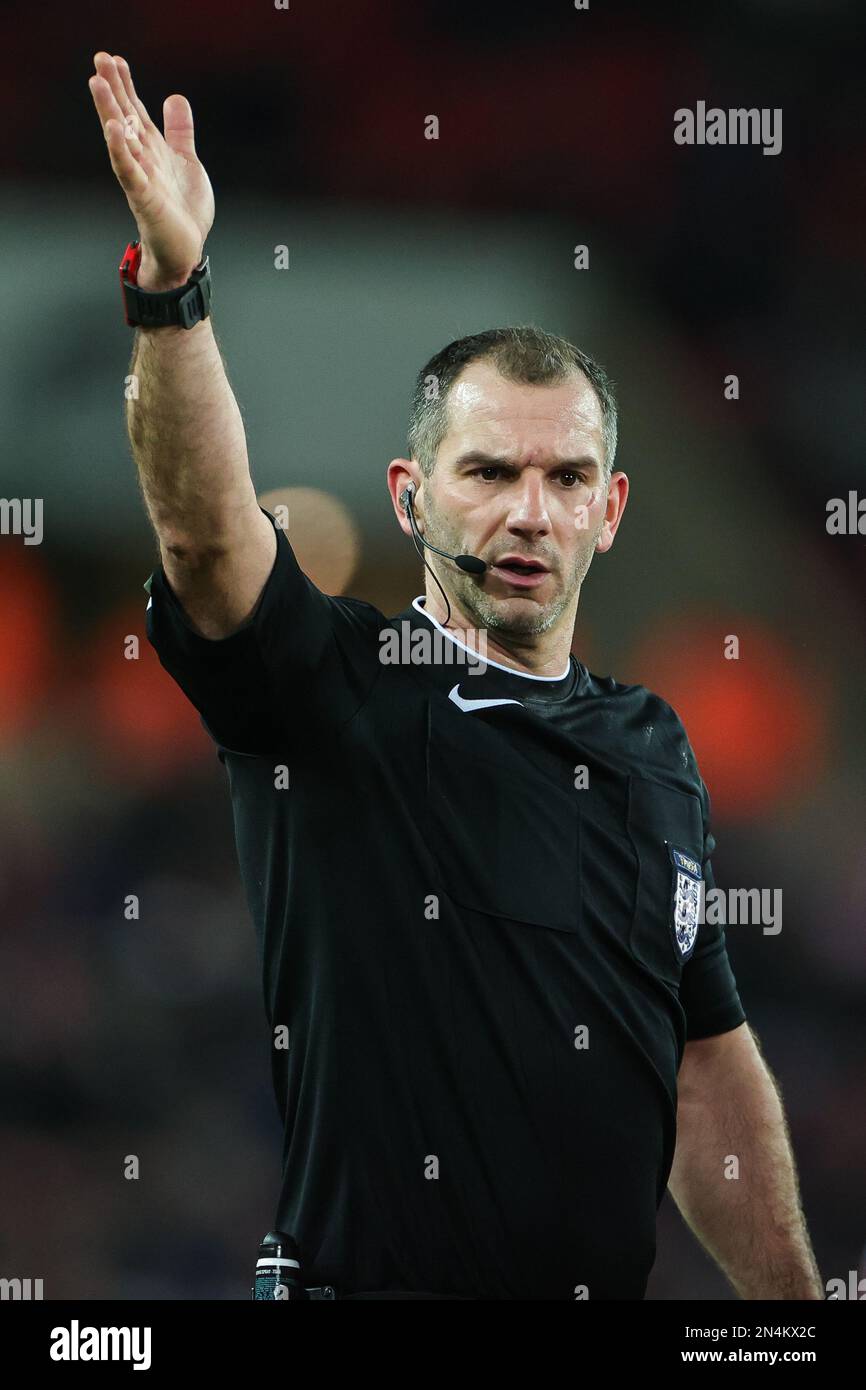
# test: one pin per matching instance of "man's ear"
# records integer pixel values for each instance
(617, 495)
(403, 474)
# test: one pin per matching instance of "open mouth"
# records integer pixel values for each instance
(518, 566)
(524, 573)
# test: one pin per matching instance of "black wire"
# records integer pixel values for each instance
(416, 541)
(420, 550)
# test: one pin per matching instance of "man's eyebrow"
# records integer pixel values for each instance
(478, 457)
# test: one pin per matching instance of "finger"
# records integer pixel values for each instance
(104, 101)
(108, 110)
(125, 72)
(107, 68)
(177, 122)
(106, 105)
(130, 175)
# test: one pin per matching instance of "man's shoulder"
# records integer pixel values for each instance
(651, 727)
(359, 606)
(634, 696)
(358, 614)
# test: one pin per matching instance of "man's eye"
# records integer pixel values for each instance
(568, 475)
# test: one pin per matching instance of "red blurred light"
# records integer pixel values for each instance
(758, 724)
(29, 638)
(143, 720)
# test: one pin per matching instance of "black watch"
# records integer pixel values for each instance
(183, 307)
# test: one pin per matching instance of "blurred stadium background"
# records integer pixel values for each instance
(556, 129)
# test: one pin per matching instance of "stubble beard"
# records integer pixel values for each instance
(514, 617)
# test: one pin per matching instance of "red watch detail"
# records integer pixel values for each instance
(130, 263)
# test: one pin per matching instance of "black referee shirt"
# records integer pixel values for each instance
(474, 896)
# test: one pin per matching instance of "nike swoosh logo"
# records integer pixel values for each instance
(463, 704)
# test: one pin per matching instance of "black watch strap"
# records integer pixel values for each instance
(183, 307)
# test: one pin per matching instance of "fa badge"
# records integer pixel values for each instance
(685, 900)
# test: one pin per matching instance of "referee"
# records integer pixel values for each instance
(474, 868)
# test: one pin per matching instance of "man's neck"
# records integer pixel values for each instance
(542, 654)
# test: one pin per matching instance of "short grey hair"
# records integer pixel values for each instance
(523, 354)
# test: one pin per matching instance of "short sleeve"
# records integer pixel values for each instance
(708, 990)
(303, 660)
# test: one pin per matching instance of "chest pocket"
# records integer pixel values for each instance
(503, 823)
(666, 830)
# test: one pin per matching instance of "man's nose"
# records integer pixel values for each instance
(528, 511)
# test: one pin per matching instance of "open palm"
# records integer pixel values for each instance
(166, 186)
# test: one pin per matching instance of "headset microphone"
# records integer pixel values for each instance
(470, 564)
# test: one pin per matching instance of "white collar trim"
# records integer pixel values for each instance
(488, 661)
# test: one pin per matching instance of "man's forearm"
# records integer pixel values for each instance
(187, 438)
(734, 1178)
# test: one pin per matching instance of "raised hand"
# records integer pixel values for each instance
(166, 186)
